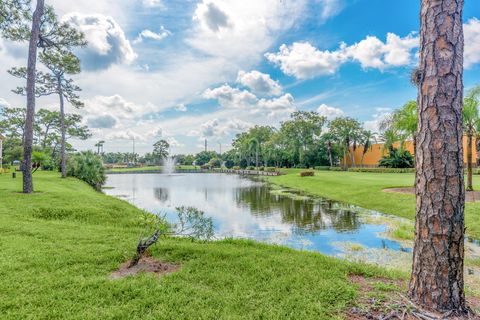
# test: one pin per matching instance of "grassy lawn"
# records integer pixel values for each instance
(365, 190)
(59, 246)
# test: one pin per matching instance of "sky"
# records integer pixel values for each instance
(191, 70)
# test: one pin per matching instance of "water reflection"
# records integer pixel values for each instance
(306, 215)
(241, 207)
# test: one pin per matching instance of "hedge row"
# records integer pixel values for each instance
(376, 169)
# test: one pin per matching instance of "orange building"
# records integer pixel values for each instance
(376, 152)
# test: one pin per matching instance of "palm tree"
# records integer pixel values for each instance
(367, 140)
(254, 145)
(471, 124)
(405, 120)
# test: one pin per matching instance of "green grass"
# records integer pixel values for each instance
(365, 190)
(59, 245)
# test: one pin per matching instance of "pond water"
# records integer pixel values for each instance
(245, 208)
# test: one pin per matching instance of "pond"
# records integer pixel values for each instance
(242, 207)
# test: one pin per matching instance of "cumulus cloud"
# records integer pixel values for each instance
(107, 43)
(221, 128)
(210, 16)
(379, 115)
(4, 103)
(156, 36)
(115, 105)
(102, 122)
(304, 61)
(330, 112)
(235, 98)
(259, 83)
(472, 42)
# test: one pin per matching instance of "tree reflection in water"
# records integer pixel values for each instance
(307, 215)
(161, 194)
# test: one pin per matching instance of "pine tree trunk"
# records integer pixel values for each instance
(30, 116)
(437, 276)
(63, 160)
(469, 161)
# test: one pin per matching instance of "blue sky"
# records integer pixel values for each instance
(190, 70)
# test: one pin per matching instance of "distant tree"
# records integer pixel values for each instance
(367, 138)
(204, 157)
(347, 132)
(160, 150)
(471, 125)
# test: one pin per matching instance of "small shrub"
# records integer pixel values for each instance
(337, 169)
(236, 168)
(88, 167)
(322, 168)
(243, 163)
(262, 168)
(270, 169)
(229, 164)
(215, 163)
(397, 158)
(307, 174)
(250, 168)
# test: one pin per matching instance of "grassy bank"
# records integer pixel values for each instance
(366, 190)
(59, 246)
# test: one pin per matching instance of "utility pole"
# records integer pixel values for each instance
(220, 145)
(205, 145)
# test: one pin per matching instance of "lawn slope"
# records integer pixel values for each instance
(59, 245)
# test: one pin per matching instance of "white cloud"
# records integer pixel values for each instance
(115, 106)
(373, 53)
(472, 42)
(304, 61)
(148, 34)
(4, 103)
(221, 128)
(259, 83)
(211, 16)
(330, 112)
(235, 98)
(181, 107)
(107, 43)
(102, 122)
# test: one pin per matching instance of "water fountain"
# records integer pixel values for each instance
(168, 165)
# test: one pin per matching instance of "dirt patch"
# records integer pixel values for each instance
(380, 298)
(470, 196)
(146, 264)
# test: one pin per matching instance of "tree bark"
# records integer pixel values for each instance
(63, 160)
(469, 160)
(329, 148)
(437, 275)
(30, 116)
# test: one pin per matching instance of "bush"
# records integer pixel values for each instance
(397, 158)
(270, 169)
(229, 164)
(322, 168)
(236, 168)
(250, 168)
(88, 167)
(262, 168)
(307, 174)
(336, 169)
(243, 163)
(383, 170)
(215, 163)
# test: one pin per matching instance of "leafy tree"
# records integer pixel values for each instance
(59, 64)
(204, 157)
(47, 33)
(437, 279)
(160, 150)
(347, 132)
(405, 122)
(471, 125)
(13, 122)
